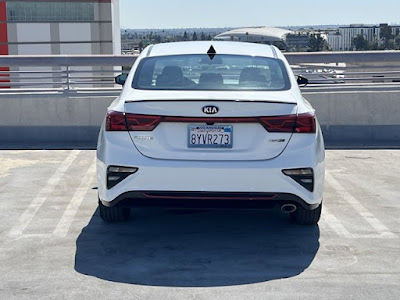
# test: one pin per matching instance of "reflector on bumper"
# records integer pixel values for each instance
(115, 174)
(305, 177)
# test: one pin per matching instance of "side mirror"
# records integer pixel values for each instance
(302, 81)
(120, 79)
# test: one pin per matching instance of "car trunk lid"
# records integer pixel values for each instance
(240, 129)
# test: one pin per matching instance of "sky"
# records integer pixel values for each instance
(156, 14)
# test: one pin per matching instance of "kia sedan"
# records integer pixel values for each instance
(211, 124)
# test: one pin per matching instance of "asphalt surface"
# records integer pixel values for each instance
(54, 245)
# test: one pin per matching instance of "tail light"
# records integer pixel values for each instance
(305, 123)
(119, 121)
(302, 123)
(279, 123)
(115, 121)
(142, 122)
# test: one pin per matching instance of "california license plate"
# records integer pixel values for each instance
(210, 136)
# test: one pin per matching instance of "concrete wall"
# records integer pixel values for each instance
(358, 117)
(59, 120)
(51, 120)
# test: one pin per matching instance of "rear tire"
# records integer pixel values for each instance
(303, 216)
(114, 214)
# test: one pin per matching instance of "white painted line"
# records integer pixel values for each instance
(334, 223)
(323, 225)
(70, 212)
(44, 193)
(348, 92)
(381, 229)
(385, 235)
(34, 235)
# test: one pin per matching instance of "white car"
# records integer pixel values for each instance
(211, 124)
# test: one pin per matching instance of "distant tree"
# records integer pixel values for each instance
(141, 46)
(397, 41)
(209, 37)
(157, 39)
(391, 45)
(194, 37)
(317, 43)
(280, 45)
(185, 36)
(202, 36)
(360, 43)
(374, 45)
(386, 36)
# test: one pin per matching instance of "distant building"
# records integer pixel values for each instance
(59, 27)
(297, 41)
(342, 40)
(50, 27)
(266, 35)
(292, 40)
(335, 41)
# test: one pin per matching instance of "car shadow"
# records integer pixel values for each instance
(192, 248)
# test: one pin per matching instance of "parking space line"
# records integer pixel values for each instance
(44, 193)
(334, 223)
(34, 235)
(381, 229)
(384, 235)
(72, 208)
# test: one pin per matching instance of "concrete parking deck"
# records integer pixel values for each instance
(54, 245)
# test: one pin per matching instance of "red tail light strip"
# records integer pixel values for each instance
(303, 123)
(200, 196)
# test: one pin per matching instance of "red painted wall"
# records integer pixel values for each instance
(3, 29)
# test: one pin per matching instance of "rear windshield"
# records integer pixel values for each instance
(204, 72)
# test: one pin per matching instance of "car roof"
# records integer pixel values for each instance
(200, 47)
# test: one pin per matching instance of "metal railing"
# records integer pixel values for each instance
(63, 72)
(96, 72)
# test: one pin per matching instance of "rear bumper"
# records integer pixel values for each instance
(206, 200)
(209, 181)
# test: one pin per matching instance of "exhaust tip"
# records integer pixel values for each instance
(288, 208)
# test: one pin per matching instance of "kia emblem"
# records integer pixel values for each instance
(210, 109)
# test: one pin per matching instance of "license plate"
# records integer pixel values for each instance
(210, 136)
